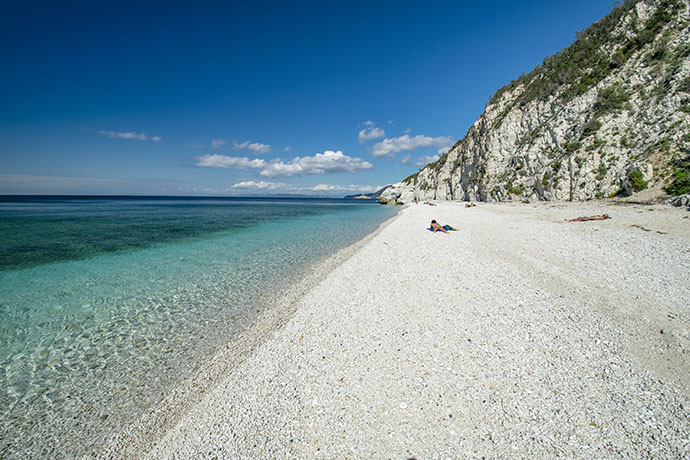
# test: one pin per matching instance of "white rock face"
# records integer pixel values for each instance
(575, 147)
(398, 194)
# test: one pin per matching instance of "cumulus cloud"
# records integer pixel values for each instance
(406, 159)
(343, 188)
(425, 160)
(268, 188)
(218, 143)
(129, 135)
(326, 187)
(255, 147)
(287, 149)
(261, 185)
(370, 132)
(321, 163)
(388, 147)
(224, 161)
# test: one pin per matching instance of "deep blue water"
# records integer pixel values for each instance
(39, 230)
(106, 303)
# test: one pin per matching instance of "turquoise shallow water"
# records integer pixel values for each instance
(107, 303)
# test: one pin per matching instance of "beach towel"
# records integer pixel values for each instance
(445, 227)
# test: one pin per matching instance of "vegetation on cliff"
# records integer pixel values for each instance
(605, 116)
(584, 64)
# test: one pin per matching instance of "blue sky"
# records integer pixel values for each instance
(254, 98)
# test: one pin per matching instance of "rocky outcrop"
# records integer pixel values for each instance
(679, 201)
(607, 116)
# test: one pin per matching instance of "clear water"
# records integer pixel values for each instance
(107, 303)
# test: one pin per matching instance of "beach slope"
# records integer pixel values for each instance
(518, 336)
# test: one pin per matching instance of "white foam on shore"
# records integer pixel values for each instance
(520, 335)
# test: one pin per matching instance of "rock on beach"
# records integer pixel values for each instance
(518, 336)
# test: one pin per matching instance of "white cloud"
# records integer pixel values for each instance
(388, 147)
(425, 160)
(255, 147)
(130, 135)
(365, 188)
(321, 163)
(370, 132)
(390, 122)
(326, 187)
(259, 185)
(218, 143)
(287, 149)
(343, 188)
(406, 159)
(224, 161)
(268, 188)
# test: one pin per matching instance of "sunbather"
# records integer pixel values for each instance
(582, 219)
(436, 227)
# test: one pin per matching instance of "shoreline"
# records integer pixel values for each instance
(136, 440)
(520, 335)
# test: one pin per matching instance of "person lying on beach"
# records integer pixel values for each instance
(470, 205)
(582, 219)
(436, 227)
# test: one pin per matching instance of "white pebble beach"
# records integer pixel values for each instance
(518, 336)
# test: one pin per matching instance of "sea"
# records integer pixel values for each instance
(108, 303)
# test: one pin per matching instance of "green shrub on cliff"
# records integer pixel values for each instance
(591, 127)
(411, 179)
(582, 65)
(680, 184)
(602, 171)
(637, 181)
(684, 86)
(610, 99)
(572, 146)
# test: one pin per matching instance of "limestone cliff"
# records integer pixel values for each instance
(607, 116)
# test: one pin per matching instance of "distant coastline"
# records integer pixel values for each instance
(186, 197)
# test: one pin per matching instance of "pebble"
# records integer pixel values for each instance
(560, 363)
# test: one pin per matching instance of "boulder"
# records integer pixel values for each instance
(682, 200)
